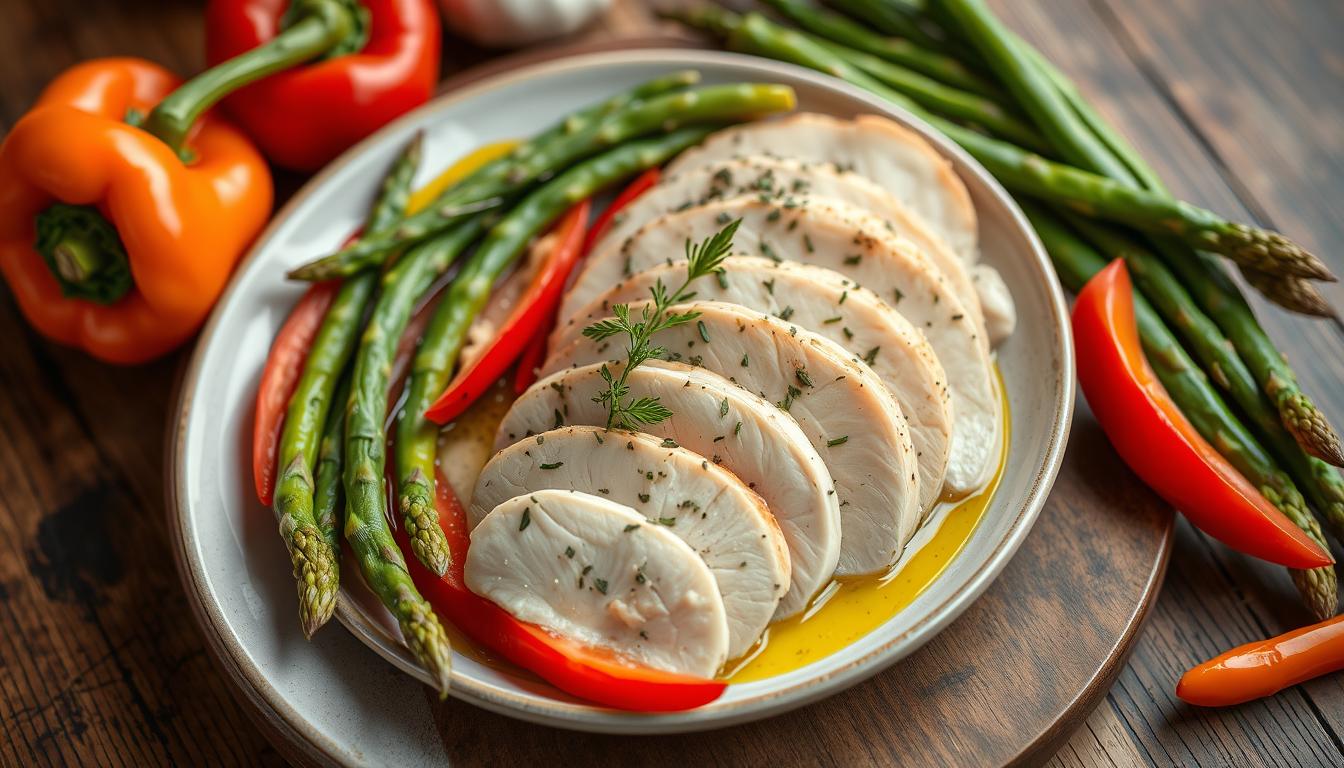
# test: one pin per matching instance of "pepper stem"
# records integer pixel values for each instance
(84, 253)
(315, 28)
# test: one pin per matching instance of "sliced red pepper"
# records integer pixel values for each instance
(1265, 667)
(1156, 440)
(532, 356)
(642, 183)
(281, 374)
(535, 308)
(594, 674)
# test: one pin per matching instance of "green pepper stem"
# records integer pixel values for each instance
(77, 257)
(319, 27)
(83, 252)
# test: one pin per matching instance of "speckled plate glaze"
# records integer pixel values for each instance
(341, 699)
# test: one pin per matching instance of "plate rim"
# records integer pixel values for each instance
(252, 681)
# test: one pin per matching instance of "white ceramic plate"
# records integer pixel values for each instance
(234, 565)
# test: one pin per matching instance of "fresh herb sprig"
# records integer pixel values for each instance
(702, 259)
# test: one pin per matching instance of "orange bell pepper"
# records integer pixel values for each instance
(1264, 668)
(133, 244)
(1160, 444)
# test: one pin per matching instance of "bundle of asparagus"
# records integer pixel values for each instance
(1092, 198)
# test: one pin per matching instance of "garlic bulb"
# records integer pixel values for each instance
(509, 23)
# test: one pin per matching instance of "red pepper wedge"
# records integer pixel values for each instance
(279, 377)
(535, 352)
(304, 117)
(535, 309)
(1156, 440)
(594, 674)
(1265, 667)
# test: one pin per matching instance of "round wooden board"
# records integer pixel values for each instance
(1007, 683)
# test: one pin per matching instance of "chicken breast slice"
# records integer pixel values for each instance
(741, 432)
(703, 504)
(596, 571)
(828, 303)
(790, 182)
(891, 155)
(845, 410)
(854, 243)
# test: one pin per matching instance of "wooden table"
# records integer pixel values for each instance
(1240, 104)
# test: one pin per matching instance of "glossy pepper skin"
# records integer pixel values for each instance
(1263, 668)
(183, 224)
(1159, 443)
(303, 117)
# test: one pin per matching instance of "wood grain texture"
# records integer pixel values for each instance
(1239, 104)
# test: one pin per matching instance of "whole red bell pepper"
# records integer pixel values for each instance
(535, 351)
(303, 117)
(1156, 440)
(1265, 667)
(594, 674)
(123, 207)
(534, 311)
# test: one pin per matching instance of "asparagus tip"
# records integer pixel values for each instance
(1310, 429)
(316, 576)
(422, 527)
(1319, 590)
(1292, 293)
(1273, 253)
(426, 640)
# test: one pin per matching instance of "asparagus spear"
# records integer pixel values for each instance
(1033, 89)
(1075, 262)
(327, 510)
(715, 103)
(842, 30)
(892, 19)
(940, 98)
(416, 443)
(1292, 293)
(366, 526)
(305, 525)
(1031, 174)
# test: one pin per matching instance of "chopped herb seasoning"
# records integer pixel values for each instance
(807, 243)
(569, 552)
(723, 408)
(769, 252)
(843, 295)
(668, 443)
(604, 491)
(737, 429)
(559, 420)
(957, 317)
(599, 438)
(769, 286)
(785, 313)
(870, 356)
(773, 216)
(899, 295)
(852, 260)
(719, 438)
(848, 333)
(667, 521)
(803, 378)
(722, 277)
(587, 569)
(541, 439)
(601, 585)
(704, 332)
(555, 465)
(830, 320)
(746, 362)
(837, 441)
(527, 519)
(644, 497)
(723, 218)
(630, 527)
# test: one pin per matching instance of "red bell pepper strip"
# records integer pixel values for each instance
(284, 366)
(594, 674)
(642, 183)
(535, 309)
(535, 352)
(1156, 440)
(303, 117)
(1265, 667)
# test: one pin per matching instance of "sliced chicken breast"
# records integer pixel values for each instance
(850, 416)
(703, 504)
(596, 571)
(854, 243)
(891, 155)
(737, 430)
(789, 182)
(830, 304)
